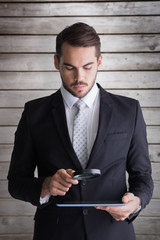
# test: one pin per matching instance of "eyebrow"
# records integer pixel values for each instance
(70, 65)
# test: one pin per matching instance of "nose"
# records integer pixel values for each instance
(78, 75)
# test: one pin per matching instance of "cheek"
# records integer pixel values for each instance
(67, 76)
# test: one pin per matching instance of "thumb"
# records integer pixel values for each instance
(127, 197)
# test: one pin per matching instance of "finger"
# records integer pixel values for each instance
(103, 208)
(70, 172)
(67, 177)
(57, 192)
(58, 185)
(57, 178)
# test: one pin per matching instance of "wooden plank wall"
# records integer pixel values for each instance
(130, 35)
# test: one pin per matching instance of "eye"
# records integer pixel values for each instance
(69, 68)
(88, 67)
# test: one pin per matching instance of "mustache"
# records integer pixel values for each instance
(78, 83)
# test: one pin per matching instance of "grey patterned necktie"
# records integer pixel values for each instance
(80, 134)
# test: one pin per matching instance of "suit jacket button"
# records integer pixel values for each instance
(84, 182)
(85, 211)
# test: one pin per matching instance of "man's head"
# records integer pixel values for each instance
(78, 58)
(78, 35)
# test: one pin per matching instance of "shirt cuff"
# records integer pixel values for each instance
(45, 199)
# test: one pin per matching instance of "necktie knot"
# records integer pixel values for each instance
(80, 105)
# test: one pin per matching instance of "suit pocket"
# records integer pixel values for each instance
(117, 135)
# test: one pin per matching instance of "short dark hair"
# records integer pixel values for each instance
(78, 35)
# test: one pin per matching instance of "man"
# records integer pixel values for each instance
(115, 143)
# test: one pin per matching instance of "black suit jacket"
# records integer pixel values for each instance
(42, 141)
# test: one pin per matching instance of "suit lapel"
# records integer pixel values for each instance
(105, 116)
(59, 117)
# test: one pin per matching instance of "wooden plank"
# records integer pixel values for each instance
(6, 137)
(151, 116)
(109, 43)
(153, 134)
(4, 167)
(147, 226)
(11, 117)
(16, 225)
(156, 171)
(130, 43)
(107, 25)
(5, 153)
(154, 153)
(111, 62)
(52, 80)
(129, 79)
(21, 237)
(147, 98)
(135, 61)
(152, 209)
(33, 80)
(4, 189)
(146, 237)
(13, 207)
(156, 191)
(79, 9)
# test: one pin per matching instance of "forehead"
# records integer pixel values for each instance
(72, 53)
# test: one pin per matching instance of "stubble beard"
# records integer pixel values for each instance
(78, 83)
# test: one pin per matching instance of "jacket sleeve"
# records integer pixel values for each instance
(138, 163)
(23, 185)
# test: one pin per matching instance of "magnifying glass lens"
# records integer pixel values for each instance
(86, 174)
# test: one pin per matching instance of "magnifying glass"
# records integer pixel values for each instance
(86, 174)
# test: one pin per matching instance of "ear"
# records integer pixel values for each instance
(100, 61)
(56, 62)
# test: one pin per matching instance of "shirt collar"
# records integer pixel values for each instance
(70, 100)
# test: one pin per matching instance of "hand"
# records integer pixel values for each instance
(59, 183)
(121, 213)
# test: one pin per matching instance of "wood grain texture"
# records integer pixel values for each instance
(80, 9)
(103, 25)
(130, 38)
(20, 237)
(148, 226)
(109, 43)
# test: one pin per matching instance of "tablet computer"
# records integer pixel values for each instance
(91, 204)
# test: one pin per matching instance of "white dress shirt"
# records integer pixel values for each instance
(91, 113)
